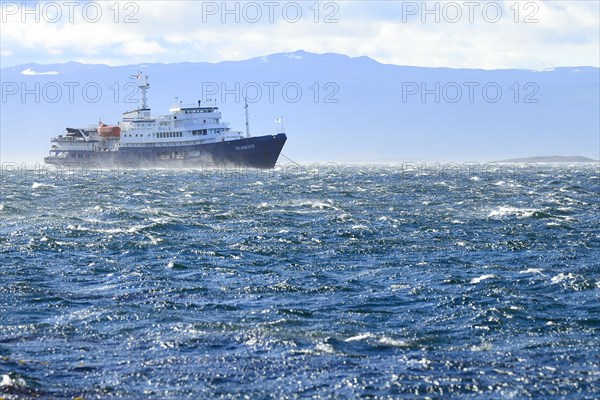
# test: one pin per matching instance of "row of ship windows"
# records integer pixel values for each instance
(197, 111)
(158, 135)
(167, 123)
(163, 135)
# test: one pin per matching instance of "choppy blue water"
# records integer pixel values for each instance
(311, 282)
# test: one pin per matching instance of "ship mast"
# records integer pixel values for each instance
(247, 117)
(144, 86)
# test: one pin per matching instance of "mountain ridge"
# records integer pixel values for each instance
(348, 108)
(299, 52)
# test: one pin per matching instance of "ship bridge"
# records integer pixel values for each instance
(195, 110)
(187, 124)
(142, 113)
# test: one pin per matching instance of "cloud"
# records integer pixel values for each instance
(142, 48)
(566, 33)
(30, 72)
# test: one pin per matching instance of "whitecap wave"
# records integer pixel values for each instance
(109, 231)
(392, 342)
(485, 346)
(37, 185)
(531, 271)
(321, 205)
(322, 347)
(512, 211)
(7, 381)
(483, 278)
(359, 227)
(356, 338)
(384, 340)
(562, 278)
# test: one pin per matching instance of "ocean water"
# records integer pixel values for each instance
(322, 281)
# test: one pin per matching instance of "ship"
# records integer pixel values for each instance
(190, 136)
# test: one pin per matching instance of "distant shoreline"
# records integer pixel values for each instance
(549, 159)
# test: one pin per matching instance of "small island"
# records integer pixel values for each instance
(550, 159)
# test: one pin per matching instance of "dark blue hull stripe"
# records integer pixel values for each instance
(255, 152)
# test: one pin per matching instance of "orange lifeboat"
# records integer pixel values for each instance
(110, 131)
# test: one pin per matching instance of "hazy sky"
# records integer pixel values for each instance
(473, 34)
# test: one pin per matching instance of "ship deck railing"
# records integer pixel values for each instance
(71, 139)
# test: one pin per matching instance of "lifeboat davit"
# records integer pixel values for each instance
(109, 130)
